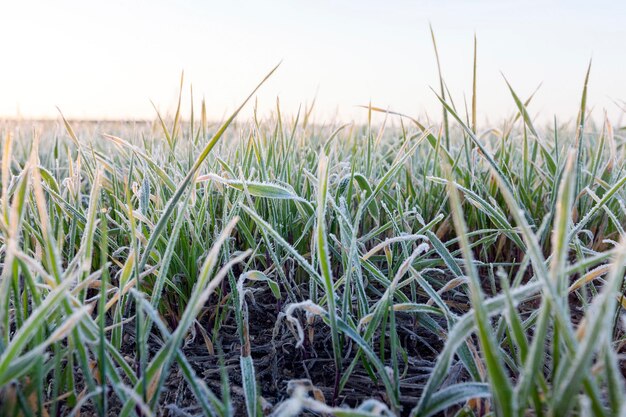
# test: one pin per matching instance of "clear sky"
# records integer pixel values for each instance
(108, 59)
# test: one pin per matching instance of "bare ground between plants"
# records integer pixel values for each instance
(279, 361)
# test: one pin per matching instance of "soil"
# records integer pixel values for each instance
(279, 361)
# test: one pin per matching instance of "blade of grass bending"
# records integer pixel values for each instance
(169, 208)
(260, 189)
(498, 379)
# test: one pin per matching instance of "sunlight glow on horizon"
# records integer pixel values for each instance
(110, 59)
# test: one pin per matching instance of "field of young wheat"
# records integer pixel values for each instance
(283, 266)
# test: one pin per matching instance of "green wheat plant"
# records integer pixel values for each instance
(280, 265)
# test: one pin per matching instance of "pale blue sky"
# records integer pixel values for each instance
(110, 58)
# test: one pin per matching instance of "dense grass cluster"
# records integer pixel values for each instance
(450, 269)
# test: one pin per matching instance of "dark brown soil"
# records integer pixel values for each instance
(279, 361)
